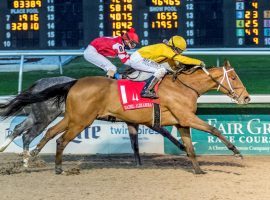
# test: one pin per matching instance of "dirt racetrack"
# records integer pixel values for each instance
(116, 177)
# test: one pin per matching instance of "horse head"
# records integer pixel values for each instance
(230, 84)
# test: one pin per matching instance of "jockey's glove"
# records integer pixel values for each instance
(117, 76)
(202, 64)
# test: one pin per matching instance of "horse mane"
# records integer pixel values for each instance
(195, 68)
(185, 69)
(188, 70)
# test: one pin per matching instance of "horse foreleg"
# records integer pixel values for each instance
(194, 122)
(133, 134)
(168, 135)
(185, 136)
(50, 134)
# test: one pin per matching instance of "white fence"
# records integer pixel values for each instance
(205, 51)
(202, 99)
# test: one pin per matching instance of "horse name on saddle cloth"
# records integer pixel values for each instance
(129, 92)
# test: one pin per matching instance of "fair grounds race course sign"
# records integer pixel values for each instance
(250, 133)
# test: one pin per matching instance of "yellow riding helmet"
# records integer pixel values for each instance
(178, 42)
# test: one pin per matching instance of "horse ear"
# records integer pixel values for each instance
(227, 63)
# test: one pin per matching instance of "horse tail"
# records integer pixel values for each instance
(56, 92)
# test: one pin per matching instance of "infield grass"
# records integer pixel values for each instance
(254, 72)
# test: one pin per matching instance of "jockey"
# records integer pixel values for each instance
(103, 47)
(147, 59)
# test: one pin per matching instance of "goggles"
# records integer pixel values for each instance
(177, 50)
(131, 43)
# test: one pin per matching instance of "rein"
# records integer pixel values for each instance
(181, 82)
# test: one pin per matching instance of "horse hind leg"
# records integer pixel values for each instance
(26, 153)
(28, 137)
(18, 130)
(50, 134)
(133, 135)
(75, 126)
(62, 142)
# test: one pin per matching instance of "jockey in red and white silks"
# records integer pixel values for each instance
(112, 47)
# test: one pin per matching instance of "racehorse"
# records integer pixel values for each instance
(93, 97)
(178, 108)
(43, 113)
(40, 115)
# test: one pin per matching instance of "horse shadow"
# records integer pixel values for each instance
(149, 161)
(116, 161)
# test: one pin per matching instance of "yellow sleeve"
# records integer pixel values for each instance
(186, 60)
(167, 51)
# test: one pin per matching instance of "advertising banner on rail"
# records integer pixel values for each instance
(249, 133)
(100, 138)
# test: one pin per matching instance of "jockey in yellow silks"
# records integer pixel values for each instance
(147, 59)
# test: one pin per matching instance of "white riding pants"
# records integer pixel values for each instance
(142, 64)
(91, 55)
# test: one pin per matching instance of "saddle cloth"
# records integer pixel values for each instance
(129, 94)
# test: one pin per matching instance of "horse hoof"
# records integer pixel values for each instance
(139, 165)
(3, 148)
(239, 156)
(199, 171)
(58, 171)
(34, 153)
(26, 162)
(25, 165)
(5, 145)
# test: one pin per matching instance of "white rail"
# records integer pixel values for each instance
(191, 51)
(206, 51)
(225, 99)
(203, 99)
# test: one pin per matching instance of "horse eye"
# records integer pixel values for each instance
(233, 77)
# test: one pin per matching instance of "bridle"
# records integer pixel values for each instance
(230, 90)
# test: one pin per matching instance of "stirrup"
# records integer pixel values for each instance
(149, 94)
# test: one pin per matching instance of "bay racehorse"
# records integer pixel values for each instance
(96, 97)
(39, 115)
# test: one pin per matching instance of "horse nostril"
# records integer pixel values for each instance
(247, 99)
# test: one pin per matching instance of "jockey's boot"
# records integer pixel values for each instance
(148, 90)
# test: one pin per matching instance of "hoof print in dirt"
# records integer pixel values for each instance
(72, 171)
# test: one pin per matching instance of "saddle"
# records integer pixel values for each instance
(134, 75)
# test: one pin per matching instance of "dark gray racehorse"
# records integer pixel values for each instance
(43, 113)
